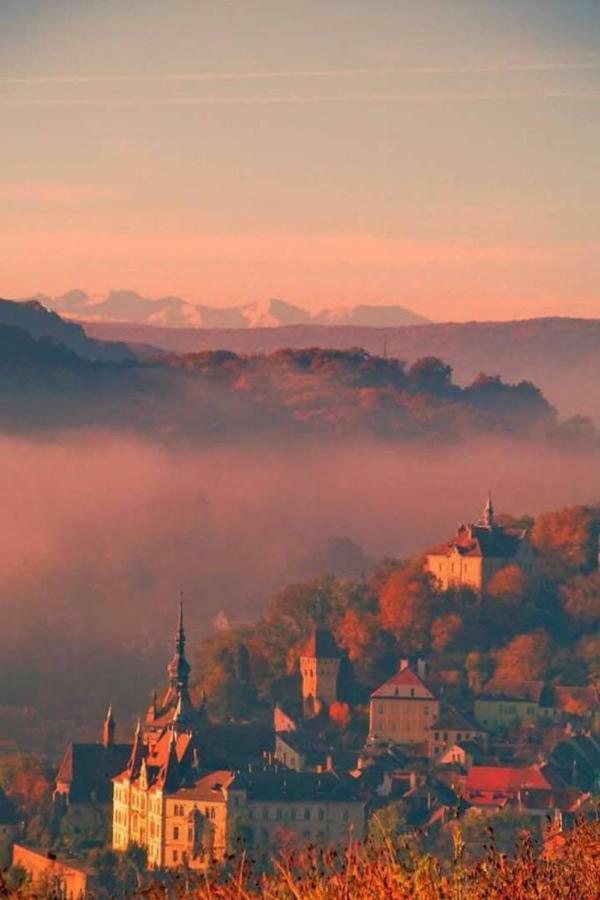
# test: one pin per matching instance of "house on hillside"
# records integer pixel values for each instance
(450, 728)
(477, 552)
(508, 702)
(402, 709)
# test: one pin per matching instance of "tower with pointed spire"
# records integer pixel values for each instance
(109, 729)
(478, 551)
(175, 709)
(488, 512)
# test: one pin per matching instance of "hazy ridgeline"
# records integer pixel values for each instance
(100, 531)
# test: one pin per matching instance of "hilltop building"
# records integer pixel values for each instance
(473, 556)
(403, 708)
(166, 800)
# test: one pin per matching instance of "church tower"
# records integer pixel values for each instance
(108, 729)
(320, 667)
(488, 513)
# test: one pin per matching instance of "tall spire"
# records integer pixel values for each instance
(179, 669)
(108, 729)
(488, 511)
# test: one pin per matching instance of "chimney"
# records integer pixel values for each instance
(403, 665)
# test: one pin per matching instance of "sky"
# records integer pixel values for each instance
(439, 155)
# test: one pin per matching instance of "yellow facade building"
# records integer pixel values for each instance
(166, 801)
(477, 552)
(402, 709)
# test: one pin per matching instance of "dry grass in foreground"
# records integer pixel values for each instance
(569, 867)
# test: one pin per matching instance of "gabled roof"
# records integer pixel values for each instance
(321, 644)
(504, 779)
(452, 720)
(87, 770)
(480, 540)
(512, 689)
(403, 678)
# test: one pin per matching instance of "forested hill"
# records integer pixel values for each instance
(222, 396)
(560, 355)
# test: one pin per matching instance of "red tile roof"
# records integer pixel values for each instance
(504, 779)
(404, 677)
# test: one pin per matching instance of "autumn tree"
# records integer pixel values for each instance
(340, 714)
(445, 631)
(526, 657)
(478, 667)
(567, 540)
(509, 585)
(581, 599)
(406, 606)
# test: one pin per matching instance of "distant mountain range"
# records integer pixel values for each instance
(174, 312)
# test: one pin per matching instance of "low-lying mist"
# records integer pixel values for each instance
(101, 532)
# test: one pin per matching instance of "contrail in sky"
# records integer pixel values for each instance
(296, 99)
(304, 73)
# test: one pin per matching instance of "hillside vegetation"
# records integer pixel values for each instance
(560, 355)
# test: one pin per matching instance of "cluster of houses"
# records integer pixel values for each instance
(189, 793)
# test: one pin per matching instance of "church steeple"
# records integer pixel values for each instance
(108, 729)
(488, 512)
(178, 671)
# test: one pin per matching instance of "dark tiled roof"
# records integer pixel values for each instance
(87, 769)
(321, 644)
(287, 786)
(452, 720)
(479, 540)
(512, 689)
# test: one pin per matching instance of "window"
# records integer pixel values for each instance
(278, 814)
(176, 833)
(265, 813)
(321, 815)
(190, 835)
(436, 735)
(426, 710)
(396, 692)
(175, 855)
(345, 815)
(307, 813)
(458, 736)
(293, 814)
(412, 692)
(381, 708)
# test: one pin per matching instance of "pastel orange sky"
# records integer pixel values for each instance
(440, 156)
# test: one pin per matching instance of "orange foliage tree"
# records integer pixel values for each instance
(525, 657)
(510, 585)
(406, 605)
(567, 539)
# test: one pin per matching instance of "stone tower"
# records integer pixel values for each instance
(320, 667)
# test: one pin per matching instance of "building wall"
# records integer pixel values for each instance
(319, 682)
(441, 740)
(287, 755)
(403, 720)
(52, 876)
(455, 570)
(195, 832)
(493, 713)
